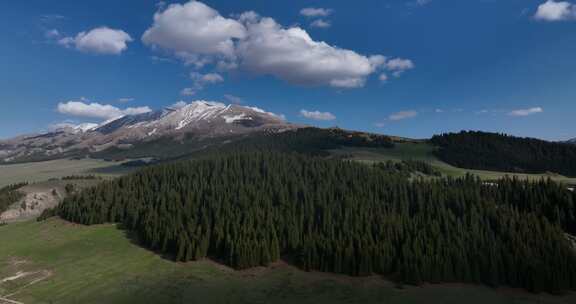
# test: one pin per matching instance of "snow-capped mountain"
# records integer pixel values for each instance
(201, 119)
(572, 141)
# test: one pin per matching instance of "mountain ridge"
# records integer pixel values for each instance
(201, 119)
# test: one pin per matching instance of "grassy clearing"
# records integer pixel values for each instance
(99, 264)
(42, 171)
(423, 151)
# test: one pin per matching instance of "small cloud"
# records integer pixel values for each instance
(187, 92)
(317, 115)
(102, 40)
(52, 34)
(396, 117)
(439, 111)
(399, 66)
(178, 105)
(402, 115)
(316, 12)
(200, 81)
(209, 78)
(418, 3)
(51, 18)
(233, 99)
(158, 59)
(526, 112)
(125, 99)
(556, 11)
(97, 110)
(383, 77)
(320, 23)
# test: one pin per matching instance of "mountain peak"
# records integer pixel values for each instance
(202, 119)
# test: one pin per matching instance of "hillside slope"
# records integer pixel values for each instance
(500, 152)
(248, 209)
(101, 264)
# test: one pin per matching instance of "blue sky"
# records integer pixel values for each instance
(505, 66)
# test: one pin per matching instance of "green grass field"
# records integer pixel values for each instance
(60, 262)
(423, 151)
(42, 171)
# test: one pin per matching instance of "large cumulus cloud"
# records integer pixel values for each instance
(200, 35)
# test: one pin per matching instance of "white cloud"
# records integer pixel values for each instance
(158, 59)
(199, 35)
(316, 12)
(97, 110)
(317, 115)
(188, 92)
(194, 32)
(556, 11)
(292, 55)
(52, 34)
(526, 112)
(102, 40)
(233, 99)
(399, 66)
(383, 77)
(200, 81)
(209, 78)
(178, 105)
(280, 116)
(419, 3)
(402, 115)
(321, 23)
(125, 99)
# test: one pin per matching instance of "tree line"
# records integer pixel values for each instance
(309, 140)
(10, 195)
(501, 152)
(248, 209)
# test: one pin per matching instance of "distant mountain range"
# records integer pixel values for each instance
(571, 141)
(201, 120)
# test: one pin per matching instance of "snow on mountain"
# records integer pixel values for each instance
(85, 127)
(202, 119)
(231, 119)
(194, 112)
(69, 127)
(196, 115)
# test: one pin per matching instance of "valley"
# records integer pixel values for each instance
(34, 172)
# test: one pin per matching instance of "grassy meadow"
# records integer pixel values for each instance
(423, 151)
(42, 171)
(60, 262)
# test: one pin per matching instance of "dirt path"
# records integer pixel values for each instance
(32, 277)
(4, 301)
